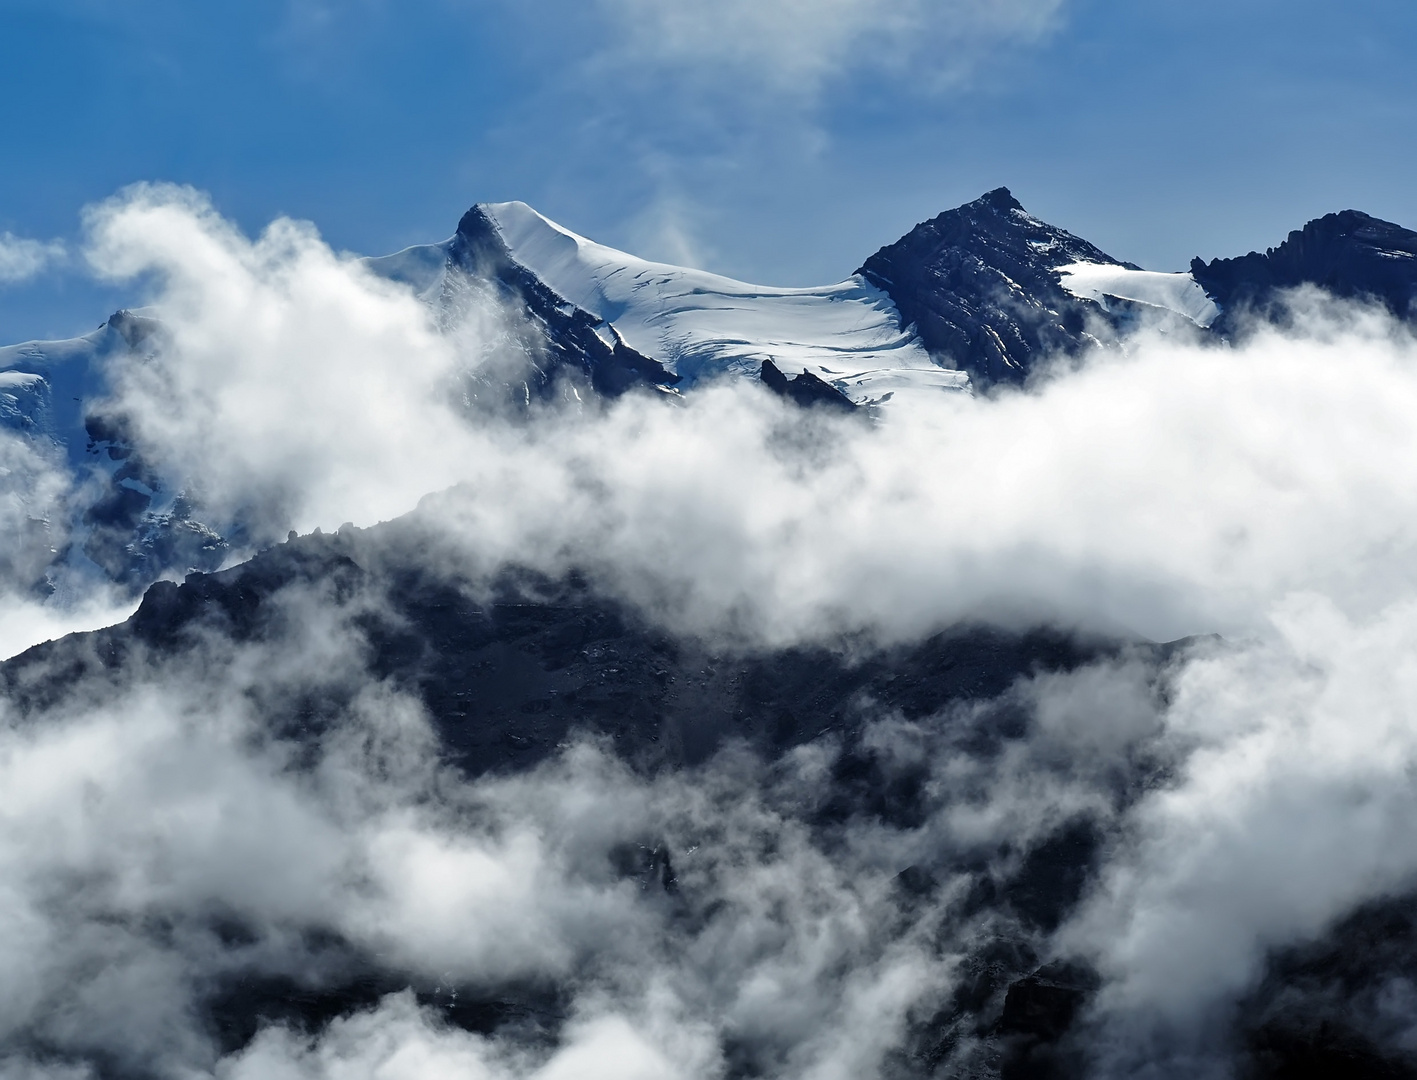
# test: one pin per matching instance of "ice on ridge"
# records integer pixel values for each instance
(702, 325)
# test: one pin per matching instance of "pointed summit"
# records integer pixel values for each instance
(1000, 199)
(981, 286)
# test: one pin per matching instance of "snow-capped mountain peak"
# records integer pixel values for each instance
(701, 325)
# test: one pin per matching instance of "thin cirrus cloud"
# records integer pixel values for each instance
(801, 46)
(688, 92)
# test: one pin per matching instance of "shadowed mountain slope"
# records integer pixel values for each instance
(1350, 254)
(980, 284)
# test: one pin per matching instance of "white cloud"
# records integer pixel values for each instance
(33, 486)
(397, 1041)
(1180, 489)
(298, 384)
(27, 621)
(22, 259)
(131, 826)
(1295, 804)
(35, 490)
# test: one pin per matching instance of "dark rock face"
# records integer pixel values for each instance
(1339, 1006)
(508, 678)
(510, 672)
(805, 389)
(235, 1011)
(980, 285)
(558, 338)
(1040, 1010)
(128, 538)
(1042, 1005)
(1349, 254)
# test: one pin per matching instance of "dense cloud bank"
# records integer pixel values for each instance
(169, 832)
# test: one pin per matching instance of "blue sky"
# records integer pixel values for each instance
(777, 140)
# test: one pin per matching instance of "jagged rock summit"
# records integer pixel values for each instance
(574, 339)
(806, 389)
(1349, 254)
(980, 285)
(992, 290)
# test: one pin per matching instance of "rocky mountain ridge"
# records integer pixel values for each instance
(1350, 255)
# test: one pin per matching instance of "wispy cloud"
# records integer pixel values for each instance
(22, 259)
(799, 46)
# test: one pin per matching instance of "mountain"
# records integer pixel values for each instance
(992, 290)
(702, 326)
(512, 671)
(976, 297)
(572, 339)
(1349, 254)
(509, 677)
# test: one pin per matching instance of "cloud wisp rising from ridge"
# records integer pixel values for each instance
(36, 493)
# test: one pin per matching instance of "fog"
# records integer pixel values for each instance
(157, 833)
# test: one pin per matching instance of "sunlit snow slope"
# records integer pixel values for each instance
(1180, 293)
(43, 385)
(700, 325)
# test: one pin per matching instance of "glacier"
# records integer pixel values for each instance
(701, 325)
(1178, 293)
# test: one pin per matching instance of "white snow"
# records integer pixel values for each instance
(22, 398)
(1173, 292)
(702, 325)
(47, 384)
